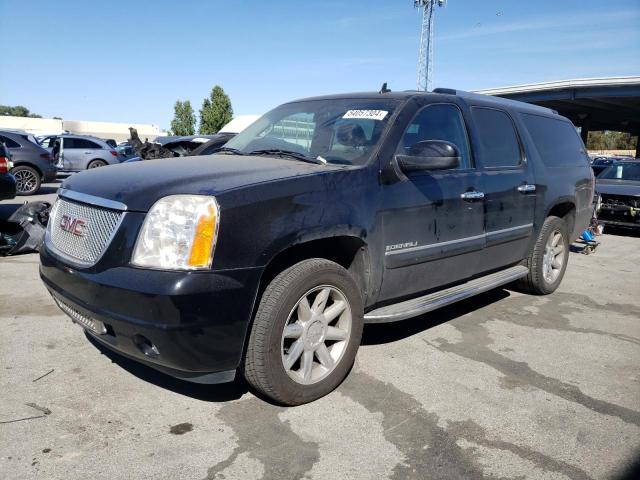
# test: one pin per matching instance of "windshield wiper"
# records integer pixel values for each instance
(235, 151)
(288, 153)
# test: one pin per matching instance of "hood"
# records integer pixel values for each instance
(618, 187)
(140, 184)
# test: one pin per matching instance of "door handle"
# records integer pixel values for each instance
(87, 153)
(471, 196)
(527, 188)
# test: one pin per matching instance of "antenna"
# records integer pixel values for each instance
(425, 56)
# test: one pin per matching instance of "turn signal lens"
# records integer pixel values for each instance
(203, 238)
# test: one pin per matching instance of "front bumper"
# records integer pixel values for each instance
(195, 321)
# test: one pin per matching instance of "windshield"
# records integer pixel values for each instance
(342, 131)
(622, 171)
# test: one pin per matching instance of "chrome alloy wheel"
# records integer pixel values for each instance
(316, 334)
(554, 255)
(26, 181)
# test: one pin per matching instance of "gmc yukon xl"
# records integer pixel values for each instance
(327, 213)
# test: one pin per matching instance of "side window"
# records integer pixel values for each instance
(83, 143)
(8, 142)
(69, 143)
(557, 141)
(438, 122)
(499, 146)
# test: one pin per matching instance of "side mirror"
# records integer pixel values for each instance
(430, 155)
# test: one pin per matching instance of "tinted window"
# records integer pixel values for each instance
(8, 142)
(438, 122)
(622, 171)
(79, 143)
(556, 140)
(499, 145)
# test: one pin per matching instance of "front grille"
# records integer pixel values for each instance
(80, 231)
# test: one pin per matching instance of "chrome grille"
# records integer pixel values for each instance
(87, 246)
(94, 325)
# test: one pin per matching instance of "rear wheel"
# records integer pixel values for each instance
(96, 164)
(306, 333)
(548, 259)
(27, 180)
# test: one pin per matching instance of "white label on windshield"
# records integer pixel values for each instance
(367, 114)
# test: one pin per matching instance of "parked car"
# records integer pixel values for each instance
(600, 164)
(619, 190)
(7, 180)
(81, 152)
(326, 213)
(33, 165)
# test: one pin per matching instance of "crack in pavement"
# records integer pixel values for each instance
(266, 438)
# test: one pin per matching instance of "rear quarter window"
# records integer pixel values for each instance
(556, 141)
(8, 142)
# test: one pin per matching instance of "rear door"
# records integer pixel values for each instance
(509, 187)
(433, 223)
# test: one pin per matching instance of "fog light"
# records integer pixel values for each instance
(145, 345)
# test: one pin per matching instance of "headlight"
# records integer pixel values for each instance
(179, 233)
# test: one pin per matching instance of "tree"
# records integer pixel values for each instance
(610, 140)
(184, 119)
(17, 111)
(216, 112)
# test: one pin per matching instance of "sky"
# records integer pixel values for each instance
(129, 61)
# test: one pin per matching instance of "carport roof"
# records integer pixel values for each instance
(595, 103)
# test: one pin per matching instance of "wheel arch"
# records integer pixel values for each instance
(30, 165)
(564, 208)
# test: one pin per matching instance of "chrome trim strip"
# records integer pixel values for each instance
(91, 199)
(459, 240)
(511, 229)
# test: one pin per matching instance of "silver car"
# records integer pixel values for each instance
(80, 152)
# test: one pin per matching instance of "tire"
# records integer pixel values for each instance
(96, 164)
(270, 363)
(540, 281)
(28, 180)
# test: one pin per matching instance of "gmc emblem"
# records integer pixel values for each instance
(73, 225)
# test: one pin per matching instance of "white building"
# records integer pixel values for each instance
(44, 126)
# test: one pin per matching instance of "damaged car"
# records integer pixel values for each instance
(619, 190)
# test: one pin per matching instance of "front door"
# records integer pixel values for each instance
(509, 187)
(433, 223)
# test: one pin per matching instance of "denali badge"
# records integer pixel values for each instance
(400, 246)
(73, 225)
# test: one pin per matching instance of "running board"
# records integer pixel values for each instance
(427, 303)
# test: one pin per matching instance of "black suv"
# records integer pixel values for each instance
(325, 214)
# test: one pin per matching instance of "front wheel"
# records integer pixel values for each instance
(305, 334)
(548, 259)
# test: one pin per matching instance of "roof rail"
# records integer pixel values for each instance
(498, 100)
